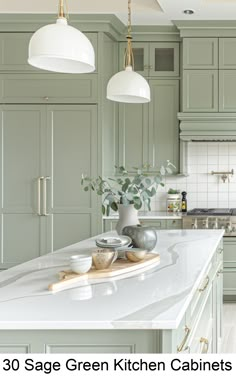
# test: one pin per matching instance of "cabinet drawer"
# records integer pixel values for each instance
(229, 254)
(173, 223)
(229, 281)
(45, 88)
(201, 338)
(200, 53)
(158, 223)
(200, 295)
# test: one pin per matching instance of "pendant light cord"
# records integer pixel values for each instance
(129, 56)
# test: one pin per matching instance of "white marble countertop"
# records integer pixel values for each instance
(152, 215)
(155, 299)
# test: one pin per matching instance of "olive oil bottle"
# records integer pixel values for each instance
(184, 202)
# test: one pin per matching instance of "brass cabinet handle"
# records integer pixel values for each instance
(45, 196)
(182, 347)
(39, 194)
(205, 286)
(46, 98)
(205, 345)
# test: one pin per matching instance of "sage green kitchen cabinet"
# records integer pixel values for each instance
(133, 135)
(159, 59)
(227, 54)
(200, 90)
(109, 224)
(227, 99)
(163, 123)
(45, 88)
(200, 53)
(14, 51)
(44, 150)
(229, 272)
(149, 133)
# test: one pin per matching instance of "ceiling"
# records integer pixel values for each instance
(144, 12)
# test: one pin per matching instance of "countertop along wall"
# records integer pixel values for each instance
(204, 190)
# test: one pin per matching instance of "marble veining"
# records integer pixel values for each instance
(154, 299)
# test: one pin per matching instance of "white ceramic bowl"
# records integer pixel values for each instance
(80, 263)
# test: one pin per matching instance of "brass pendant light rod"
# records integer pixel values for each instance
(61, 12)
(129, 56)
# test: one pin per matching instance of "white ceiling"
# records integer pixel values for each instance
(144, 12)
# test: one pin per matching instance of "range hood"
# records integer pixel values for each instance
(207, 126)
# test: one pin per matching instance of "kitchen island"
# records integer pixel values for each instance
(173, 307)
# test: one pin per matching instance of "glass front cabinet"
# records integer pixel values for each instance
(154, 59)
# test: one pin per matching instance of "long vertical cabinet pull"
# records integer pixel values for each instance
(39, 195)
(45, 196)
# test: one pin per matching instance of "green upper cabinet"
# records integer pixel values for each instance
(200, 53)
(45, 88)
(149, 133)
(14, 51)
(200, 90)
(227, 53)
(227, 84)
(154, 59)
(163, 123)
(133, 135)
(141, 57)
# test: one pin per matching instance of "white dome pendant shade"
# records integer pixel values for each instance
(128, 86)
(61, 48)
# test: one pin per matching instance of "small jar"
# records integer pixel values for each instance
(173, 203)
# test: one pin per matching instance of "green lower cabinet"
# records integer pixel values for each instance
(229, 272)
(109, 224)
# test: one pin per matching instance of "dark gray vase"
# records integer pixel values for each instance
(142, 236)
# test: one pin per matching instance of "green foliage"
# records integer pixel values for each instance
(123, 189)
(172, 191)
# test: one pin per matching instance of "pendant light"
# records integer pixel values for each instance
(61, 48)
(128, 86)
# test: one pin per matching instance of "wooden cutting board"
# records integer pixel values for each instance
(119, 267)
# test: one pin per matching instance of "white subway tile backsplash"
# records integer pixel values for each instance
(202, 160)
(213, 159)
(202, 169)
(223, 149)
(202, 178)
(203, 188)
(213, 149)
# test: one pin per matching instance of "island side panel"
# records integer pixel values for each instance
(80, 341)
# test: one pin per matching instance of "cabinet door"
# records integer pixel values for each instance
(23, 156)
(14, 51)
(133, 135)
(73, 150)
(164, 59)
(141, 57)
(200, 53)
(227, 99)
(48, 88)
(227, 53)
(200, 91)
(163, 122)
